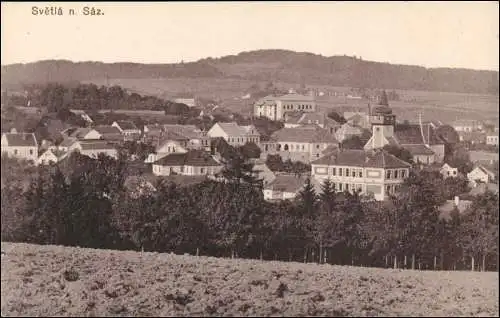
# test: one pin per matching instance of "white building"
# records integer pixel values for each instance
(480, 174)
(467, 125)
(50, 156)
(448, 171)
(128, 129)
(192, 163)
(20, 145)
(92, 148)
(234, 134)
(188, 101)
(275, 107)
(492, 140)
(376, 172)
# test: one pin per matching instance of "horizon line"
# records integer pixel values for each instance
(358, 57)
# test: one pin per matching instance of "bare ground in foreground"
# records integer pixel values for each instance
(62, 281)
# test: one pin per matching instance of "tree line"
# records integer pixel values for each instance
(85, 202)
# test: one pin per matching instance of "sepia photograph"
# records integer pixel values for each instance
(250, 159)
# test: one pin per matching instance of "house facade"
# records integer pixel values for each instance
(20, 145)
(347, 131)
(234, 134)
(82, 133)
(370, 172)
(299, 119)
(128, 129)
(467, 125)
(448, 171)
(92, 148)
(109, 133)
(275, 107)
(188, 101)
(188, 135)
(492, 140)
(480, 174)
(50, 156)
(305, 143)
(191, 163)
(283, 187)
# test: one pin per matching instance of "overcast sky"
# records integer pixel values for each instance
(440, 34)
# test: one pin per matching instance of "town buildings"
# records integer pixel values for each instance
(448, 171)
(371, 172)
(480, 174)
(191, 163)
(275, 107)
(492, 139)
(298, 119)
(467, 125)
(128, 129)
(234, 134)
(305, 143)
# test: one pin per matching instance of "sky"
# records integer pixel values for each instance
(430, 34)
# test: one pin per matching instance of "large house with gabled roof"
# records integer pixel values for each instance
(298, 119)
(92, 148)
(20, 145)
(191, 163)
(376, 172)
(234, 134)
(305, 143)
(128, 129)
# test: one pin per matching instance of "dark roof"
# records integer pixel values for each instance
(412, 134)
(306, 134)
(21, 140)
(382, 109)
(419, 149)
(360, 158)
(286, 183)
(95, 144)
(127, 125)
(190, 158)
(107, 130)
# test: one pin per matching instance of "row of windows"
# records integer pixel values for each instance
(339, 187)
(288, 106)
(346, 172)
(392, 188)
(395, 174)
(254, 140)
(16, 152)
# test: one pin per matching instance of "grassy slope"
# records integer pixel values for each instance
(125, 284)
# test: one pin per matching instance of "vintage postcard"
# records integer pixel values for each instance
(267, 158)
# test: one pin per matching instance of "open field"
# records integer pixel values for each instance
(61, 281)
(442, 106)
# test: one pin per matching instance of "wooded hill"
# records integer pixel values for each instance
(274, 65)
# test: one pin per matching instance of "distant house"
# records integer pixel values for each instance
(347, 131)
(492, 139)
(303, 143)
(483, 157)
(82, 133)
(165, 148)
(283, 187)
(467, 125)
(274, 107)
(480, 174)
(128, 129)
(189, 135)
(461, 205)
(371, 172)
(473, 137)
(109, 133)
(298, 119)
(152, 133)
(92, 148)
(192, 163)
(82, 114)
(234, 134)
(20, 145)
(188, 101)
(50, 156)
(448, 171)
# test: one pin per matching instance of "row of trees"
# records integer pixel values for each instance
(86, 203)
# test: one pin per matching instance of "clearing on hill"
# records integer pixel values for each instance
(62, 281)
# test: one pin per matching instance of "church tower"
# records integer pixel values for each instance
(382, 120)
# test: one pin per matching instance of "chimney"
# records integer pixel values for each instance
(457, 200)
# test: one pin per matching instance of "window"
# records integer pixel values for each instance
(317, 155)
(317, 146)
(15, 151)
(346, 172)
(360, 173)
(202, 170)
(395, 174)
(387, 188)
(340, 172)
(168, 149)
(340, 186)
(454, 172)
(31, 151)
(286, 147)
(171, 169)
(173, 149)
(377, 129)
(403, 173)
(182, 168)
(388, 174)
(353, 173)
(333, 170)
(303, 147)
